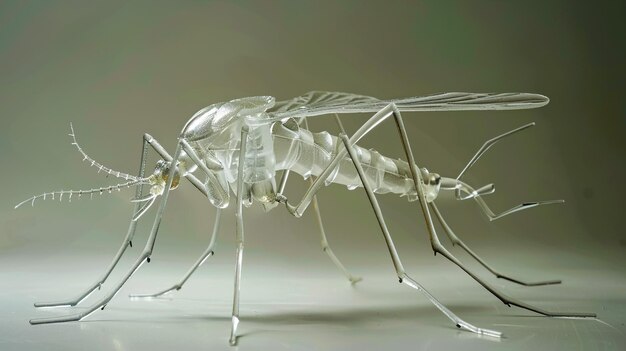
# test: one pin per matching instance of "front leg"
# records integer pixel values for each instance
(208, 252)
(216, 196)
(128, 239)
(239, 238)
(143, 258)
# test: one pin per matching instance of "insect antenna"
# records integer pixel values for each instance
(79, 193)
(93, 163)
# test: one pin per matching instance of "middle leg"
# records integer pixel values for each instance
(318, 216)
(324, 241)
(326, 247)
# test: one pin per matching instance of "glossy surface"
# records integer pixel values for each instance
(305, 307)
(120, 70)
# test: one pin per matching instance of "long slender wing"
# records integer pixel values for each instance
(318, 103)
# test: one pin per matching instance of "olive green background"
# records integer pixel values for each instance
(119, 69)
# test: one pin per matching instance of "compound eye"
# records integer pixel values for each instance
(160, 168)
(175, 181)
(163, 170)
(434, 179)
(437, 178)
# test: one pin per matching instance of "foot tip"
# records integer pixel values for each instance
(540, 283)
(577, 315)
(354, 280)
(153, 296)
(554, 282)
(546, 282)
(140, 296)
(53, 304)
(492, 333)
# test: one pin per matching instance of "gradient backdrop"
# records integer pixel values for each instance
(119, 69)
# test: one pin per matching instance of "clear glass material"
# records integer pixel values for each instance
(239, 146)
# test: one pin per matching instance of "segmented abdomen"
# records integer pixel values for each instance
(307, 154)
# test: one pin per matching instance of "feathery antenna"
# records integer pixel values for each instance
(130, 181)
(59, 194)
(101, 168)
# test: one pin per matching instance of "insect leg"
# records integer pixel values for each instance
(402, 276)
(209, 250)
(456, 241)
(439, 248)
(283, 182)
(144, 257)
(205, 255)
(326, 247)
(161, 151)
(474, 194)
(125, 243)
(239, 238)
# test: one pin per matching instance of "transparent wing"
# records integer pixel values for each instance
(317, 103)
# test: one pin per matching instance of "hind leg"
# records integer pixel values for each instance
(436, 243)
(456, 241)
(402, 276)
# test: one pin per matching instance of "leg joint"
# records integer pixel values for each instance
(147, 137)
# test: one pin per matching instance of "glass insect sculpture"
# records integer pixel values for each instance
(237, 147)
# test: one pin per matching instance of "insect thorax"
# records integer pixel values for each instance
(215, 134)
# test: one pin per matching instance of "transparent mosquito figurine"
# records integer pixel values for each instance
(238, 147)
